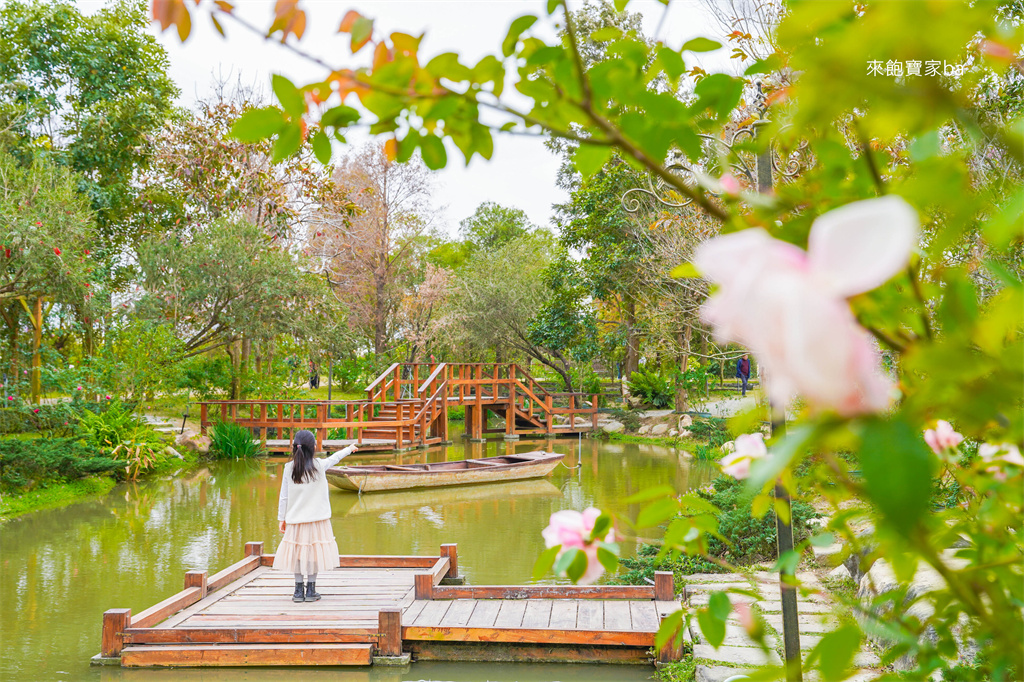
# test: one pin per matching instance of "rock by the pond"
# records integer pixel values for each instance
(613, 427)
(580, 421)
(644, 430)
(672, 433)
(659, 429)
(729, 447)
(172, 452)
(685, 433)
(197, 443)
(740, 655)
(718, 673)
(685, 422)
(828, 556)
(840, 572)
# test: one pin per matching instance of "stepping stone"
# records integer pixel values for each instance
(811, 624)
(802, 606)
(735, 635)
(738, 655)
(714, 587)
(718, 673)
(714, 578)
(702, 598)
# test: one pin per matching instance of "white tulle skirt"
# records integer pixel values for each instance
(307, 548)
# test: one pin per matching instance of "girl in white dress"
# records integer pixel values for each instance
(304, 513)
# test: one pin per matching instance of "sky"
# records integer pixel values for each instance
(521, 172)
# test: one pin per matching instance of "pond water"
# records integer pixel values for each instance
(60, 569)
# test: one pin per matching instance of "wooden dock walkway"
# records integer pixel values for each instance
(384, 609)
(407, 406)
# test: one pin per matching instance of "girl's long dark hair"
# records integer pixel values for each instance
(303, 469)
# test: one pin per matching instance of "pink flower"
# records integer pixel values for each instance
(572, 530)
(10, 397)
(107, 397)
(942, 437)
(1004, 453)
(749, 447)
(730, 184)
(78, 388)
(35, 410)
(789, 306)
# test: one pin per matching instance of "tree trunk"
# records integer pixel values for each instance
(632, 361)
(234, 355)
(243, 365)
(683, 338)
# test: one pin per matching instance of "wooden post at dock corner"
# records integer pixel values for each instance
(664, 588)
(196, 579)
(424, 585)
(389, 624)
(254, 549)
(115, 622)
(451, 551)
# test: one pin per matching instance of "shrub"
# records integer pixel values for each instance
(119, 434)
(640, 569)
(706, 453)
(228, 440)
(748, 540)
(713, 430)
(24, 463)
(652, 388)
(629, 418)
(457, 414)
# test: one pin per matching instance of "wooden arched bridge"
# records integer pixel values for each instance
(407, 407)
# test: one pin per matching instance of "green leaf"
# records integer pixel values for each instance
(835, 652)
(823, 539)
(565, 560)
(700, 45)
(719, 605)
(670, 625)
(519, 24)
(780, 455)
(685, 271)
(607, 559)
(657, 513)
(770, 63)
(446, 65)
(553, 5)
(672, 62)
(257, 124)
(787, 563)
(361, 31)
(589, 158)
(289, 96)
(434, 154)
(545, 561)
(651, 493)
(578, 567)
(712, 628)
(321, 147)
(606, 33)
(760, 506)
(924, 146)
(288, 142)
(1005, 225)
(339, 117)
(719, 92)
(897, 468)
(620, 5)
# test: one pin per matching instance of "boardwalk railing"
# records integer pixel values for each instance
(407, 406)
(243, 615)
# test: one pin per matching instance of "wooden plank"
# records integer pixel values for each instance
(511, 613)
(644, 615)
(590, 615)
(432, 613)
(538, 613)
(168, 607)
(484, 614)
(390, 626)
(115, 622)
(211, 599)
(440, 569)
(563, 613)
(413, 610)
(361, 561)
(197, 655)
(543, 592)
(233, 573)
(244, 635)
(528, 636)
(459, 612)
(314, 619)
(617, 616)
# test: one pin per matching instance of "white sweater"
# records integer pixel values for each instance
(307, 502)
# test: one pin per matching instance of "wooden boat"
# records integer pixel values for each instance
(372, 478)
(343, 504)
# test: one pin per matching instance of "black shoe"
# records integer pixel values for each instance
(311, 593)
(299, 595)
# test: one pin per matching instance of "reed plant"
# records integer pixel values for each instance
(228, 440)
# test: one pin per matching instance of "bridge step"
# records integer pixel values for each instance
(205, 655)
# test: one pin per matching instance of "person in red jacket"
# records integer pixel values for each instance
(304, 515)
(743, 372)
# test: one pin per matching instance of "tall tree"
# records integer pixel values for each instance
(493, 225)
(370, 257)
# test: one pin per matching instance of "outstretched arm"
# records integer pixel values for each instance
(339, 455)
(282, 500)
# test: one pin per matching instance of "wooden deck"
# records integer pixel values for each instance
(407, 406)
(376, 606)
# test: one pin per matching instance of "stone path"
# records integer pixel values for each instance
(738, 653)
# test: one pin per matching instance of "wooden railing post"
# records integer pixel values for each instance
(593, 406)
(664, 589)
(549, 403)
(451, 550)
(115, 622)
(203, 417)
(424, 585)
(389, 624)
(510, 411)
(399, 428)
(254, 549)
(263, 424)
(320, 430)
(196, 579)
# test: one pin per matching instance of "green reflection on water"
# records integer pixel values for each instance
(60, 569)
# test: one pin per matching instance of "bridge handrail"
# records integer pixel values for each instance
(429, 401)
(527, 375)
(384, 375)
(440, 368)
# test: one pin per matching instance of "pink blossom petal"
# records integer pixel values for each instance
(859, 246)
